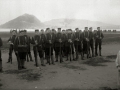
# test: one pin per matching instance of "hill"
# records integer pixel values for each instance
(23, 21)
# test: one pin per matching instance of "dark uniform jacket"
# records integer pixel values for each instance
(48, 37)
(57, 38)
(20, 40)
(99, 34)
(70, 36)
(85, 35)
(12, 38)
(1, 43)
(39, 44)
(78, 36)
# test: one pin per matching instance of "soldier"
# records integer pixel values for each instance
(28, 54)
(98, 41)
(20, 47)
(43, 41)
(78, 44)
(69, 45)
(35, 41)
(49, 40)
(91, 38)
(1, 43)
(11, 42)
(85, 36)
(64, 40)
(59, 45)
(54, 36)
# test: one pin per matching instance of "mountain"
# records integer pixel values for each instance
(23, 21)
(73, 23)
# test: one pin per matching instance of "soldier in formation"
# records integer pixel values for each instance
(49, 43)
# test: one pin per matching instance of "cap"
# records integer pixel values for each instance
(90, 28)
(86, 27)
(36, 30)
(76, 28)
(21, 31)
(98, 27)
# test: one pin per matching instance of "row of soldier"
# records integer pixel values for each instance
(64, 43)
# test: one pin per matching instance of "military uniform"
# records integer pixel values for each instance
(85, 36)
(28, 54)
(64, 40)
(11, 41)
(59, 45)
(98, 41)
(1, 43)
(91, 38)
(78, 44)
(70, 45)
(20, 47)
(49, 42)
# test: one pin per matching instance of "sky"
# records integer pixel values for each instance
(107, 11)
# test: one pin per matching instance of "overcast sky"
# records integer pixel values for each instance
(107, 11)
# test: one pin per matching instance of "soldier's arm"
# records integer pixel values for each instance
(102, 35)
(1, 43)
(16, 44)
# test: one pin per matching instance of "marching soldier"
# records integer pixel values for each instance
(20, 47)
(11, 41)
(1, 43)
(59, 45)
(78, 43)
(69, 45)
(49, 41)
(28, 54)
(91, 38)
(86, 42)
(98, 41)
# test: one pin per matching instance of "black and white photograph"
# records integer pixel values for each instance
(59, 44)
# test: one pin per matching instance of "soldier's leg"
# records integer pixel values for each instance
(73, 58)
(96, 47)
(41, 54)
(35, 55)
(19, 60)
(100, 43)
(56, 54)
(76, 52)
(0, 62)
(30, 56)
(61, 56)
(52, 58)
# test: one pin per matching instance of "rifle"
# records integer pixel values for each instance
(50, 54)
(60, 52)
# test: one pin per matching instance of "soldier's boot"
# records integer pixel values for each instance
(52, 59)
(70, 57)
(100, 53)
(30, 57)
(73, 57)
(1, 65)
(36, 63)
(23, 64)
(27, 58)
(82, 56)
(96, 54)
(67, 58)
(92, 53)
(49, 60)
(42, 62)
(56, 58)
